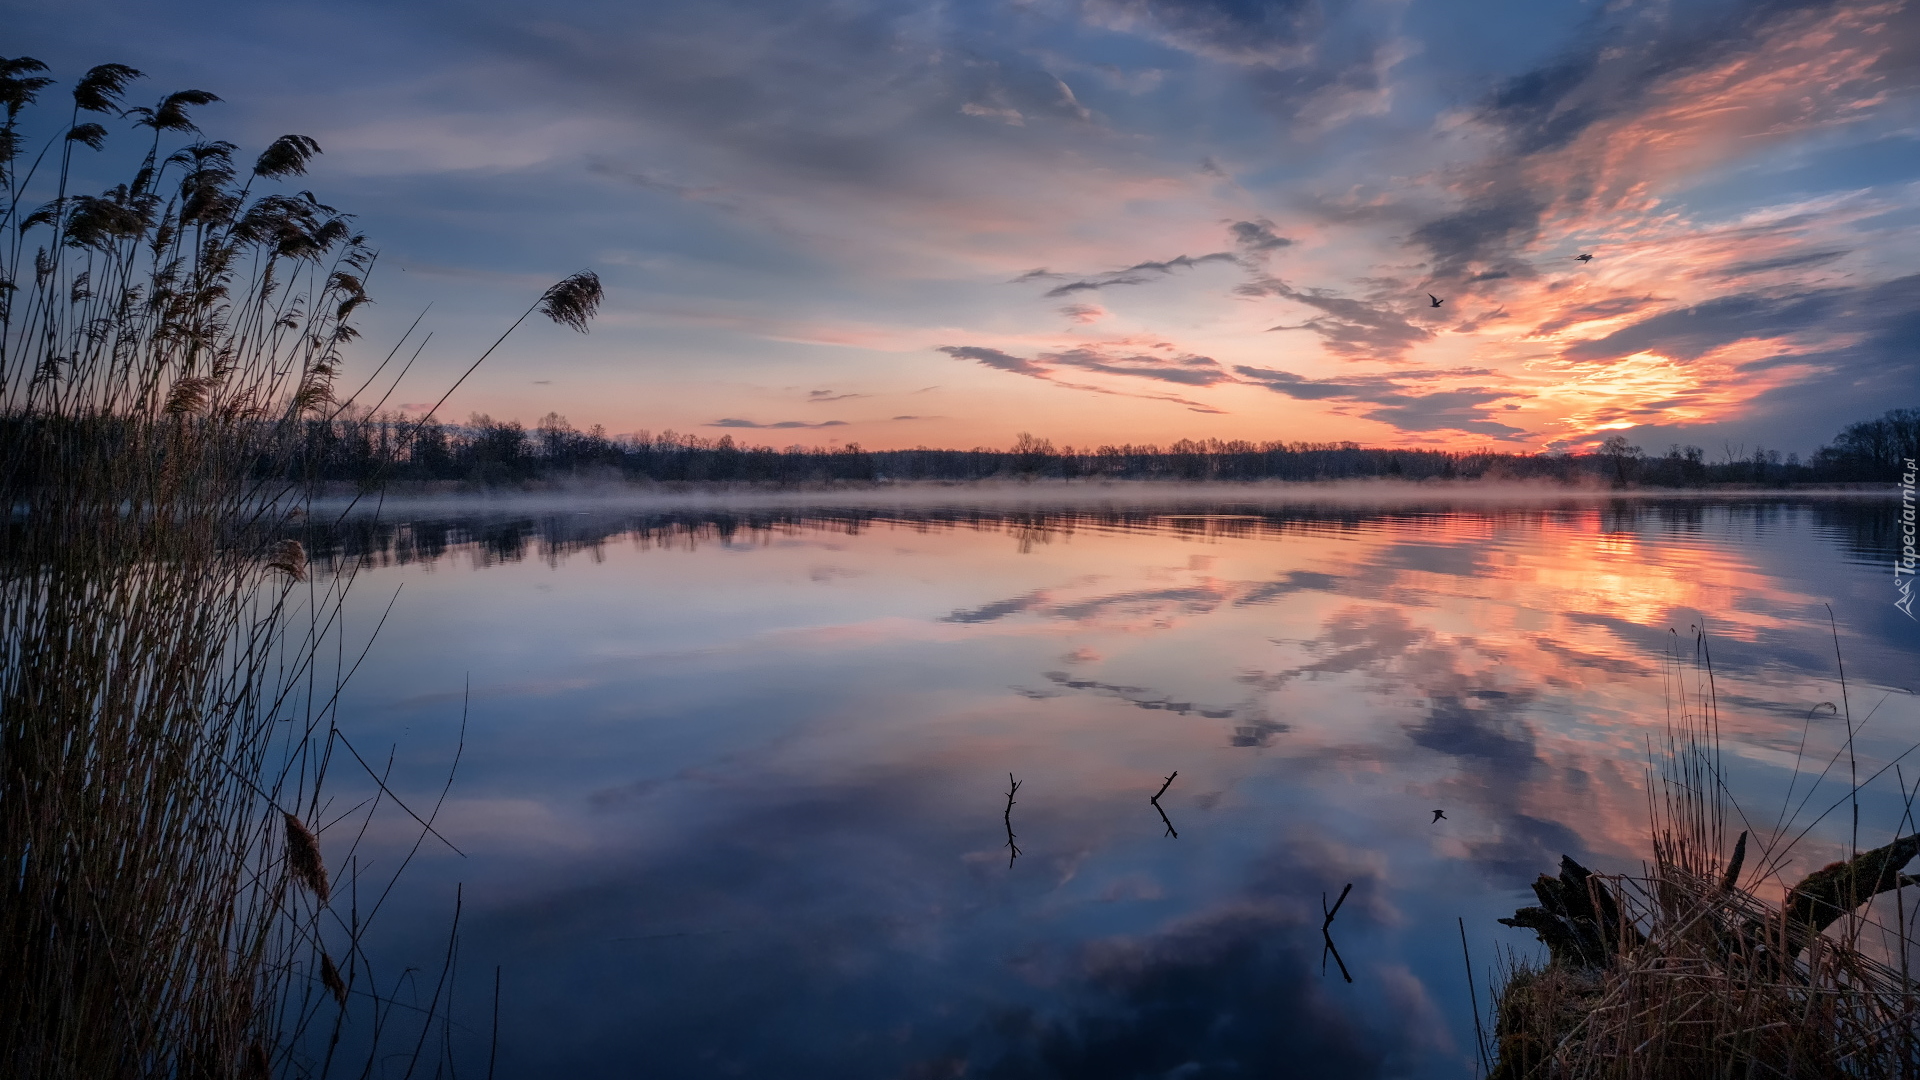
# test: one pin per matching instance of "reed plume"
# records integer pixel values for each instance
(290, 558)
(573, 301)
(330, 977)
(303, 857)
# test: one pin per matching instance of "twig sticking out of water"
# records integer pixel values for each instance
(1327, 948)
(1155, 800)
(1328, 921)
(1013, 850)
(1155, 797)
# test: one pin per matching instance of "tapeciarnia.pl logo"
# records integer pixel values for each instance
(1903, 566)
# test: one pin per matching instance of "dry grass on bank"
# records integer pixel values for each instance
(1684, 972)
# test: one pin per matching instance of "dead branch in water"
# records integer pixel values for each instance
(1013, 850)
(1155, 800)
(1327, 947)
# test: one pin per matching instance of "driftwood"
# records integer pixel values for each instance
(1013, 850)
(1830, 892)
(1155, 800)
(1579, 920)
(1578, 917)
(1629, 955)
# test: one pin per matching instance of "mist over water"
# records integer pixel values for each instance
(734, 782)
(602, 498)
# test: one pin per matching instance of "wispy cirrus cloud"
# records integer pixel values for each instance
(734, 422)
(1166, 364)
(1395, 400)
(1687, 333)
(1348, 327)
(1592, 311)
(1258, 236)
(1793, 261)
(1139, 273)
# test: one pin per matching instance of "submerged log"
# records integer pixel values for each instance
(1579, 921)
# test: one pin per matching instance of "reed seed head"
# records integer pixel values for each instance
(18, 85)
(313, 396)
(93, 135)
(573, 301)
(291, 559)
(330, 975)
(287, 156)
(100, 88)
(303, 858)
(189, 395)
(171, 113)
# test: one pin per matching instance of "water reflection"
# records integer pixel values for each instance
(1155, 800)
(741, 787)
(1327, 947)
(1865, 528)
(1013, 849)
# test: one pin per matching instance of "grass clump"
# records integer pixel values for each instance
(1683, 972)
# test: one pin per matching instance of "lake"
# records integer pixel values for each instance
(733, 791)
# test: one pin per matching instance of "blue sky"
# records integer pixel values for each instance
(1106, 220)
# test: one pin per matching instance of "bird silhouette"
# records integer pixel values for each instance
(1583, 257)
(1437, 815)
(1436, 300)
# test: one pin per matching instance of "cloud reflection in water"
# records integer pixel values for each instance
(773, 795)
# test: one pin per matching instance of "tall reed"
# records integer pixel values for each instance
(166, 694)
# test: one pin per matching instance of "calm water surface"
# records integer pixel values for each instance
(733, 793)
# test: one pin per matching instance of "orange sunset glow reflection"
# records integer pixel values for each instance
(1512, 663)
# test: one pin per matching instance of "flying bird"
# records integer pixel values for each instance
(1436, 300)
(1583, 257)
(1437, 815)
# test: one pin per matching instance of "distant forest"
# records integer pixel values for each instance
(373, 449)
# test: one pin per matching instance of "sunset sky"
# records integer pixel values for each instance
(904, 223)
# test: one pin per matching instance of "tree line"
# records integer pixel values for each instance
(370, 448)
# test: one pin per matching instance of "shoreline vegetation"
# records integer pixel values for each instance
(509, 529)
(1684, 970)
(181, 897)
(165, 705)
(613, 494)
(364, 448)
